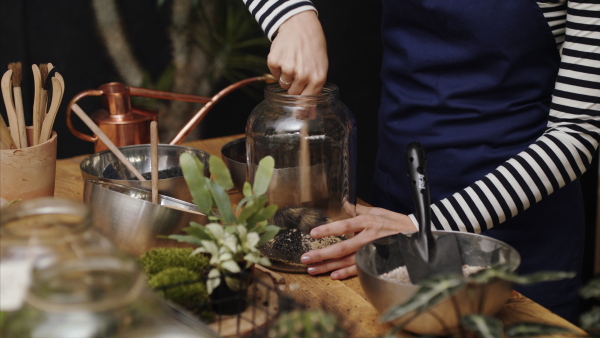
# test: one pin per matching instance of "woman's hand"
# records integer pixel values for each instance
(298, 57)
(369, 224)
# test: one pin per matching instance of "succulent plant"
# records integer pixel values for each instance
(310, 323)
(231, 239)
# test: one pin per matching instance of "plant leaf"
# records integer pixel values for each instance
(186, 239)
(534, 329)
(430, 292)
(249, 209)
(193, 170)
(590, 320)
(213, 280)
(247, 189)
(234, 283)
(198, 232)
(591, 289)
(231, 266)
(262, 178)
(483, 326)
(220, 172)
(263, 214)
(222, 201)
(270, 232)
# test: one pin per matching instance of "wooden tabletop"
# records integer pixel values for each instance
(344, 298)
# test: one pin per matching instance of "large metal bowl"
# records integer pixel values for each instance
(384, 254)
(94, 167)
(127, 216)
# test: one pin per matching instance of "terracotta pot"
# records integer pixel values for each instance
(28, 172)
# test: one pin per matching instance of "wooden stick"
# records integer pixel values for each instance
(304, 165)
(102, 136)
(43, 103)
(154, 160)
(36, 121)
(57, 92)
(10, 107)
(16, 78)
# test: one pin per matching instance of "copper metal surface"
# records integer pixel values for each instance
(126, 125)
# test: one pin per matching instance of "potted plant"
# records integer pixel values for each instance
(440, 287)
(231, 239)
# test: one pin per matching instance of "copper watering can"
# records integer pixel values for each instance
(126, 125)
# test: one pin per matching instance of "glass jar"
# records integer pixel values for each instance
(100, 294)
(313, 142)
(39, 230)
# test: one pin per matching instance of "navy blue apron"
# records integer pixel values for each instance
(472, 81)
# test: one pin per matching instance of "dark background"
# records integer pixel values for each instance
(63, 32)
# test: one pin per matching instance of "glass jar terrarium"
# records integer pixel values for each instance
(313, 142)
(100, 294)
(39, 230)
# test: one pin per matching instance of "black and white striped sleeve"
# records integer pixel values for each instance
(565, 150)
(270, 14)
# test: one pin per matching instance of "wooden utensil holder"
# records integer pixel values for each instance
(28, 172)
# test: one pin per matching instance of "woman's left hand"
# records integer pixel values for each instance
(369, 224)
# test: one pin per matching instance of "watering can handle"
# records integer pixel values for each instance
(77, 133)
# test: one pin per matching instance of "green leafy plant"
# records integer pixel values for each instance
(442, 287)
(590, 320)
(231, 239)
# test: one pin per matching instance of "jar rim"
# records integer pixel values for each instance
(46, 219)
(274, 91)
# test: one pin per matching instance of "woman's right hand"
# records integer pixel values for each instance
(298, 57)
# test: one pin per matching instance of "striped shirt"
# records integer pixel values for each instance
(561, 155)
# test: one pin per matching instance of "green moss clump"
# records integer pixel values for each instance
(184, 287)
(156, 260)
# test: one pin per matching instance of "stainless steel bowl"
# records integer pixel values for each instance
(94, 167)
(127, 216)
(383, 255)
(234, 155)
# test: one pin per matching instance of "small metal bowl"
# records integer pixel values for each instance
(127, 216)
(384, 254)
(234, 155)
(95, 167)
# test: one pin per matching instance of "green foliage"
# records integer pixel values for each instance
(590, 321)
(306, 324)
(534, 330)
(183, 287)
(233, 41)
(231, 241)
(156, 260)
(483, 326)
(442, 287)
(431, 292)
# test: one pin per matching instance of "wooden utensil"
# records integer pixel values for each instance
(11, 113)
(154, 159)
(36, 117)
(57, 93)
(16, 78)
(102, 136)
